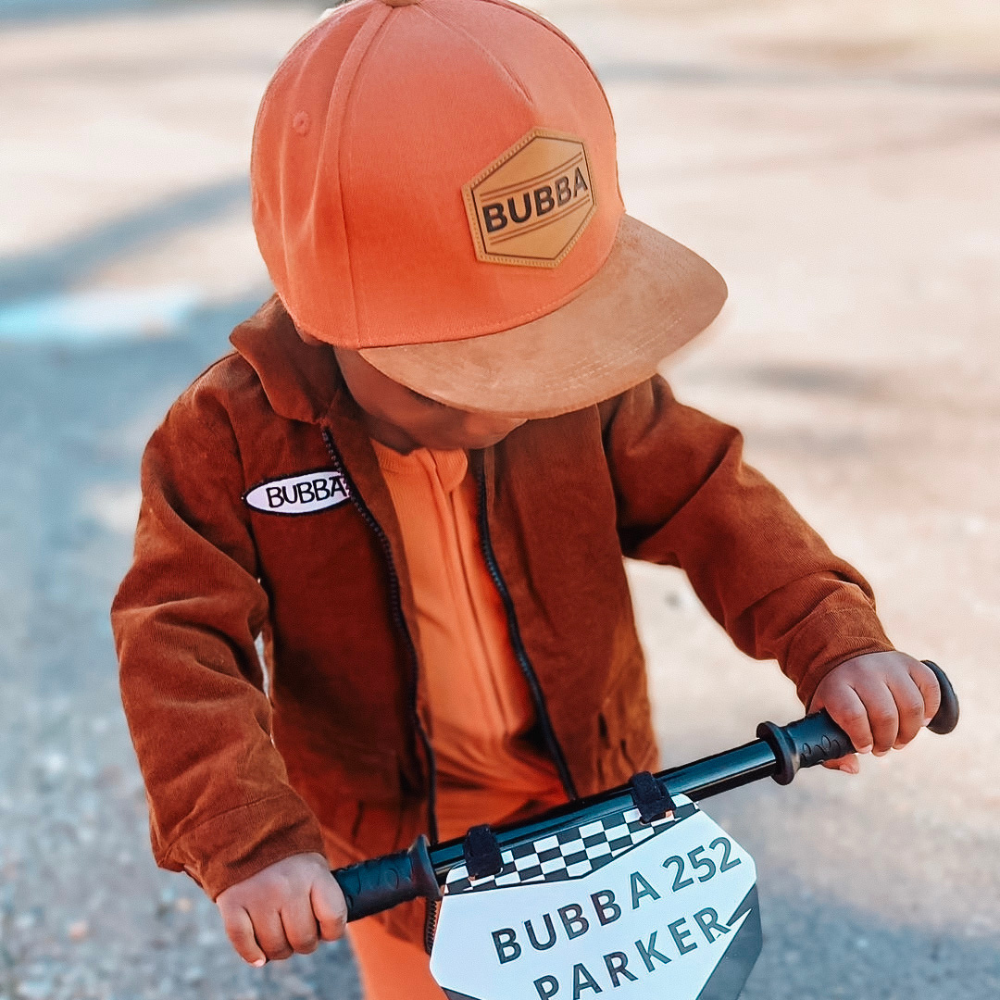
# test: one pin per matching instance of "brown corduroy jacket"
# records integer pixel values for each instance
(334, 753)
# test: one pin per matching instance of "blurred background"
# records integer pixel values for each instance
(838, 162)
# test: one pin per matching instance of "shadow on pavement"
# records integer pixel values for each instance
(53, 268)
(83, 911)
(30, 11)
(815, 949)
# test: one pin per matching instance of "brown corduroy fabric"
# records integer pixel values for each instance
(565, 497)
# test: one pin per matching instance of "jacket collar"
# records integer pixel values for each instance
(301, 382)
(304, 383)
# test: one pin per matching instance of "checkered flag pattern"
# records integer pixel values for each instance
(570, 853)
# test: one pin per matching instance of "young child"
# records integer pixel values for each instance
(416, 478)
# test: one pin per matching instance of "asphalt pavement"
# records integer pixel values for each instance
(839, 166)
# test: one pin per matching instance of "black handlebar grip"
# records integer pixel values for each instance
(381, 883)
(946, 717)
(804, 743)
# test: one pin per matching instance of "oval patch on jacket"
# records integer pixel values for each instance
(305, 493)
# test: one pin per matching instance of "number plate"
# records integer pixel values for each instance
(667, 910)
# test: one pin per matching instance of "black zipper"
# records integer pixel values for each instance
(396, 609)
(513, 629)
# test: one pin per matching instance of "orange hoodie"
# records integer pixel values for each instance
(480, 707)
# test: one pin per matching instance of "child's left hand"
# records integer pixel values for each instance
(881, 700)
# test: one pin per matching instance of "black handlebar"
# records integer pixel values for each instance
(779, 752)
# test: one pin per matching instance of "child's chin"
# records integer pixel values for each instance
(485, 441)
(460, 442)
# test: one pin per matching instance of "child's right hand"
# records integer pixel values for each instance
(288, 907)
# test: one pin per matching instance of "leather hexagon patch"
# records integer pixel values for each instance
(532, 203)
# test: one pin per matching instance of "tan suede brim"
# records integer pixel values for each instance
(651, 297)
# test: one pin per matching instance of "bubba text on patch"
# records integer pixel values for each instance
(530, 205)
(304, 493)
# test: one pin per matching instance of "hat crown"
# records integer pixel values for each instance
(370, 149)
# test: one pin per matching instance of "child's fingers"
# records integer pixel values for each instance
(848, 710)
(271, 934)
(848, 764)
(930, 690)
(239, 930)
(329, 908)
(299, 924)
(882, 716)
(909, 707)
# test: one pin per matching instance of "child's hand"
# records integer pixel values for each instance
(881, 700)
(290, 906)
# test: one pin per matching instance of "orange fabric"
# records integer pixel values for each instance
(389, 967)
(480, 706)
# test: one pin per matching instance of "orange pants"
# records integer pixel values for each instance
(391, 968)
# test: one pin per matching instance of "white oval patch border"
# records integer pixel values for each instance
(311, 492)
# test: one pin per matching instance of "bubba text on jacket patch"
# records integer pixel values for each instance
(305, 493)
(530, 205)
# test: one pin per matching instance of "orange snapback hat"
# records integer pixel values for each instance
(435, 185)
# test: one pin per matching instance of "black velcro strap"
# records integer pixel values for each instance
(650, 797)
(482, 853)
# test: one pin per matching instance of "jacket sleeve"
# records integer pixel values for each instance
(185, 621)
(685, 498)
